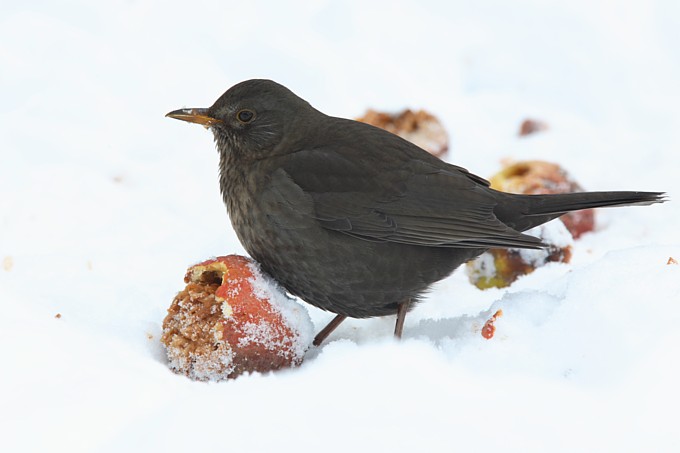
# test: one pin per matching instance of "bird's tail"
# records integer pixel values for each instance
(538, 209)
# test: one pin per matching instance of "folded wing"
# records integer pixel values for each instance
(416, 202)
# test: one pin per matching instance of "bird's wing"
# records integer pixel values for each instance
(408, 201)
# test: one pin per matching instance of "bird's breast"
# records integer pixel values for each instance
(242, 185)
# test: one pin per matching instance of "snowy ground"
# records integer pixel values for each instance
(105, 203)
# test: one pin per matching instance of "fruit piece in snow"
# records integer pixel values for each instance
(231, 319)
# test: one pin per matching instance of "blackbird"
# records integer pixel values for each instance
(353, 219)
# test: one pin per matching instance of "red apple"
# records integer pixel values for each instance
(231, 319)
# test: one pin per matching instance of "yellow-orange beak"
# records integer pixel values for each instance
(198, 116)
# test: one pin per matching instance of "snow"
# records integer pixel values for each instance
(553, 233)
(105, 202)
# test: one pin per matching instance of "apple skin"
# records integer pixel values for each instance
(223, 324)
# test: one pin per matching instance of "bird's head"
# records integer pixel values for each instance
(251, 118)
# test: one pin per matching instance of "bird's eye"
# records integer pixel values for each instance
(245, 116)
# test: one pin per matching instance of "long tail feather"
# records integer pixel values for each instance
(562, 203)
(523, 212)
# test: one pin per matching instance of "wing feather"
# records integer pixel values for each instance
(408, 201)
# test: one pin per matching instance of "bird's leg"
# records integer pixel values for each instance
(321, 336)
(401, 317)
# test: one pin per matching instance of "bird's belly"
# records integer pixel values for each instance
(343, 274)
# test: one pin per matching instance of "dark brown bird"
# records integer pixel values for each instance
(353, 219)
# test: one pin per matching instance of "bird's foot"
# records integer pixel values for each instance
(401, 317)
(321, 336)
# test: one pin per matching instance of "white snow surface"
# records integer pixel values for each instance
(553, 233)
(104, 203)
